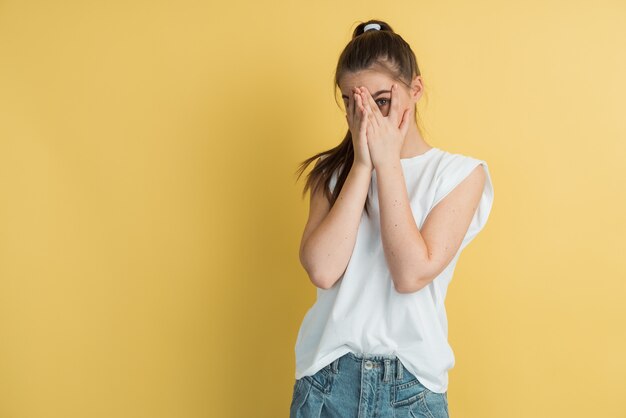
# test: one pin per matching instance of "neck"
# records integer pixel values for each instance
(414, 144)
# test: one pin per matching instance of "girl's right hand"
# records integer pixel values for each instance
(357, 122)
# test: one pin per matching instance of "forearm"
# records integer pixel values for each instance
(405, 249)
(328, 249)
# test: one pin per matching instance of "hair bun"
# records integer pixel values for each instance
(371, 26)
(376, 25)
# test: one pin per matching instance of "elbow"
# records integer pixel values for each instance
(320, 279)
(323, 278)
(412, 281)
(321, 283)
(406, 288)
(410, 284)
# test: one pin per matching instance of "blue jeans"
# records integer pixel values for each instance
(365, 385)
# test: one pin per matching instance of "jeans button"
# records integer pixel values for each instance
(368, 364)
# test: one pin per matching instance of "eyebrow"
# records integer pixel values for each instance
(343, 96)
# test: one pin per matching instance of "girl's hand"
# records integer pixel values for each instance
(385, 134)
(357, 120)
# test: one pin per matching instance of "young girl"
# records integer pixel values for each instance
(389, 217)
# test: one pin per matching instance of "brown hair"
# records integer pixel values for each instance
(381, 49)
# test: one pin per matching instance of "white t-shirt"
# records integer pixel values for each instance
(363, 313)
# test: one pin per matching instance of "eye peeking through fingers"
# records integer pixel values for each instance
(385, 102)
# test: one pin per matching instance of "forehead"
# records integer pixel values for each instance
(372, 80)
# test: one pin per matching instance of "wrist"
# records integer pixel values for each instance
(361, 163)
(362, 167)
(388, 164)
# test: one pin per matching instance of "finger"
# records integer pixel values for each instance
(356, 110)
(404, 125)
(361, 110)
(353, 111)
(370, 128)
(369, 114)
(363, 119)
(378, 117)
(366, 104)
(349, 112)
(395, 105)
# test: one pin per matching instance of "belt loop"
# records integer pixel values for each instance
(335, 366)
(387, 367)
(399, 369)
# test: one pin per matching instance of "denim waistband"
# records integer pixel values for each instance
(373, 357)
(388, 363)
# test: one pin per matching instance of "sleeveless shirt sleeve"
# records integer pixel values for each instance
(453, 172)
(333, 177)
(333, 181)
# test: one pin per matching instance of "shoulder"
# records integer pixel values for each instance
(451, 162)
(453, 168)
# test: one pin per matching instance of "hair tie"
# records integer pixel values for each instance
(371, 26)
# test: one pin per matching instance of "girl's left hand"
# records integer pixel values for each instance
(385, 134)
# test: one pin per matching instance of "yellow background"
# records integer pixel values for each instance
(150, 216)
